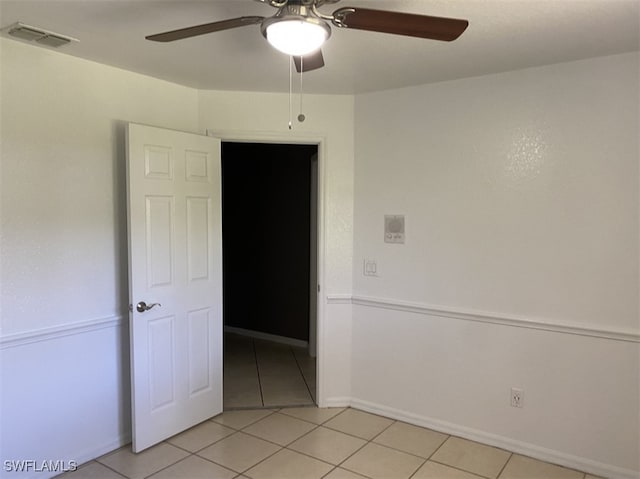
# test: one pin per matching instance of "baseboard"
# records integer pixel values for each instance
(335, 402)
(526, 449)
(90, 455)
(86, 456)
(267, 337)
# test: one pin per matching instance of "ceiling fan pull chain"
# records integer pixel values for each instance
(290, 90)
(301, 116)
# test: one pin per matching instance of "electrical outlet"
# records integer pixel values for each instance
(517, 397)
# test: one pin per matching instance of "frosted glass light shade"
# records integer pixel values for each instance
(296, 37)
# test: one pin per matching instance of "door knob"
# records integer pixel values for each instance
(141, 307)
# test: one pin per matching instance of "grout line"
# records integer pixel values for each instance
(218, 464)
(347, 433)
(367, 442)
(263, 381)
(419, 467)
(302, 374)
(255, 437)
(505, 465)
(209, 445)
(439, 447)
(334, 468)
(255, 356)
(324, 424)
(170, 465)
(262, 439)
(449, 465)
(261, 461)
(253, 422)
(353, 454)
(399, 450)
(378, 435)
(460, 469)
(104, 465)
(275, 443)
(317, 426)
(306, 454)
(359, 474)
(283, 411)
(179, 447)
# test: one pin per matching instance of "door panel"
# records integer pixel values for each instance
(161, 340)
(198, 238)
(159, 234)
(199, 348)
(175, 267)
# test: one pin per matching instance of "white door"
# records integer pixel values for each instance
(175, 281)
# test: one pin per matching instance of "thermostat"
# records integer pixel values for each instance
(394, 228)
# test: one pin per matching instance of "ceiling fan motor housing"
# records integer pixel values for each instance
(292, 17)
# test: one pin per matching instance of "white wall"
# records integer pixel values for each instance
(64, 293)
(63, 191)
(64, 343)
(520, 266)
(329, 120)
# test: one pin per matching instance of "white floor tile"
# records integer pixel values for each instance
(279, 428)
(472, 457)
(200, 436)
(242, 418)
(138, 466)
(412, 439)
(358, 423)
(289, 465)
(328, 445)
(239, 452)
(380, 462)
(433, 470)
(315, 415)
(194, 467)
(92, 470)
(521, 467)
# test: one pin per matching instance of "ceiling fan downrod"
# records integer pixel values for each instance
(274, 3)
(308, 9)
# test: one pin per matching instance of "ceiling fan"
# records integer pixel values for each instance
(299, 29)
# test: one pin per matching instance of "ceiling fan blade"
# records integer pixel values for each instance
(408, 24)
(313, 61)
(202, 29)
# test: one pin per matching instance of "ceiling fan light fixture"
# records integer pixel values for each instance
(297, 36)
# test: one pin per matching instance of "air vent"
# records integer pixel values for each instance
(41, 36)
(54, 41)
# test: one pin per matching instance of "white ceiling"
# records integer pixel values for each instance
(503, 35)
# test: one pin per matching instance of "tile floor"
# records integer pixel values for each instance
(261, 373)
(310, 443)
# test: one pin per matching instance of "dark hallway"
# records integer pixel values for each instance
(267, 214)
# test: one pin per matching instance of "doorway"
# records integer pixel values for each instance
(269, 231)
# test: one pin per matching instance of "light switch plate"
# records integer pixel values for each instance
(394, 229)
(370, 267)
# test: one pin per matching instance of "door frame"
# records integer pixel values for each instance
(299, 138)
